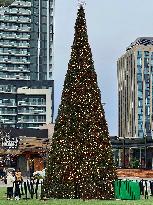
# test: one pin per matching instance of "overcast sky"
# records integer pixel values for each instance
(112, 26)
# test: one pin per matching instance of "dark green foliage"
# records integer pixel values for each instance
(80, 162)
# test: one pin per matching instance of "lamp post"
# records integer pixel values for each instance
(145, 139)
(140, 158)
(123, 152)
(44, 153)
(145, 147)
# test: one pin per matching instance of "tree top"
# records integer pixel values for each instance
(81, 3)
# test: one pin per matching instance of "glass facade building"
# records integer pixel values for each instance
(26, 40)
(26, 104)
(42, 35)
(26, 60)
(135, 89)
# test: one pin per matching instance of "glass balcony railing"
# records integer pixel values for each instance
(8, 113)
(32, 112)
(21, 4)
(15, 28)
(6, 18)
(32, 126)
(13, 77)
(23, 37)
(18, 11)
(8, 36)
(14, 36)
(4, 60)
(14, 69)
(31, 120)
(14, 61)
(24, 20)
(7, 121)
(11, 28)
(24, 103)
(9, 52)
(23, 45)
(7, 104)
(15, 19)
(21, 54)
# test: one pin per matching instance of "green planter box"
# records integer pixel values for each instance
(128, 189)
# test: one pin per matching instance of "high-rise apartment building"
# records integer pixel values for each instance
(26, 63)
(135, 89)
(42, 19)
(26, 40)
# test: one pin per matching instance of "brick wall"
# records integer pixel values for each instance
(135, 173)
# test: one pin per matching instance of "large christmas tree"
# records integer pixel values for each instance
(80, 162)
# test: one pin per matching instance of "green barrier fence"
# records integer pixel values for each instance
(128, 189)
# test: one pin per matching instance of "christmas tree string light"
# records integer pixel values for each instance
(80, 162)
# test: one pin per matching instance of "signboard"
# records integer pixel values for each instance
(10, 142)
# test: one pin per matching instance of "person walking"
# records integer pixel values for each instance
(10, 182)
(18, 182)
(18, 175)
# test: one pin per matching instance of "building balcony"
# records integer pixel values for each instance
(8, 37)
(9, 28)
(22, 38)
(19, 77)
(37, 104)
(16, 28)
(31, 120)
(23, 20)
(16, 37)
(5, 60)
(7, 113)
(18, 12)
(14, 54)
(6, 45)
(16, 77)
(7, 121)
(31, 112)
(21, 54)
(17, 69)
(8, 61)
(19, 4)
(23, 70)
(34, 127)
(7, 19)
(14, 45)
(15, 20)
(22, 45)
(24, 13)
(24, 29)
(8, 105)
